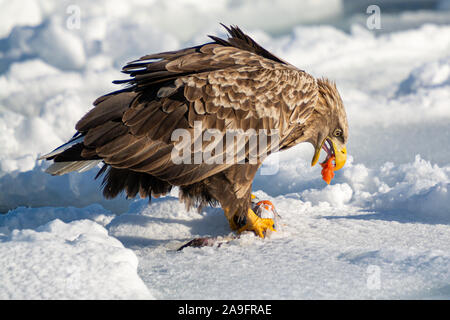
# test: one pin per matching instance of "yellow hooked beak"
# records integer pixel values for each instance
(340, 156)
(340, 153)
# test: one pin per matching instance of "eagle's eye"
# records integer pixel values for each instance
(337, 133)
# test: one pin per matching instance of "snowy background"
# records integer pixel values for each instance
(380, 230)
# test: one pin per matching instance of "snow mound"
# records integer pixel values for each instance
(77, 260)
(58, 46)
(24, 218)
(15, 15)
(419, 188)
(335, 195)
(432, 75)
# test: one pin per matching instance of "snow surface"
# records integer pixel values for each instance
(60, 260)
(380, 230)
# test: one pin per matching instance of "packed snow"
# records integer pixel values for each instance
(68, 261)
(381, 229)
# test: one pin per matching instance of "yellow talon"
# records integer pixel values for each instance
(256, 224)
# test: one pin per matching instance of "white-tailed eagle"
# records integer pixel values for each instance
(225, 85)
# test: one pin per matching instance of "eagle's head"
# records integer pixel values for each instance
(330, 129)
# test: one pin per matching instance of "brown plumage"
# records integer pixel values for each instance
(227, 84)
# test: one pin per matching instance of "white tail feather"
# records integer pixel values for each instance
(60, 168)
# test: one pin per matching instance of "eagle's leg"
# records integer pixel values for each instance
(232, 189)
